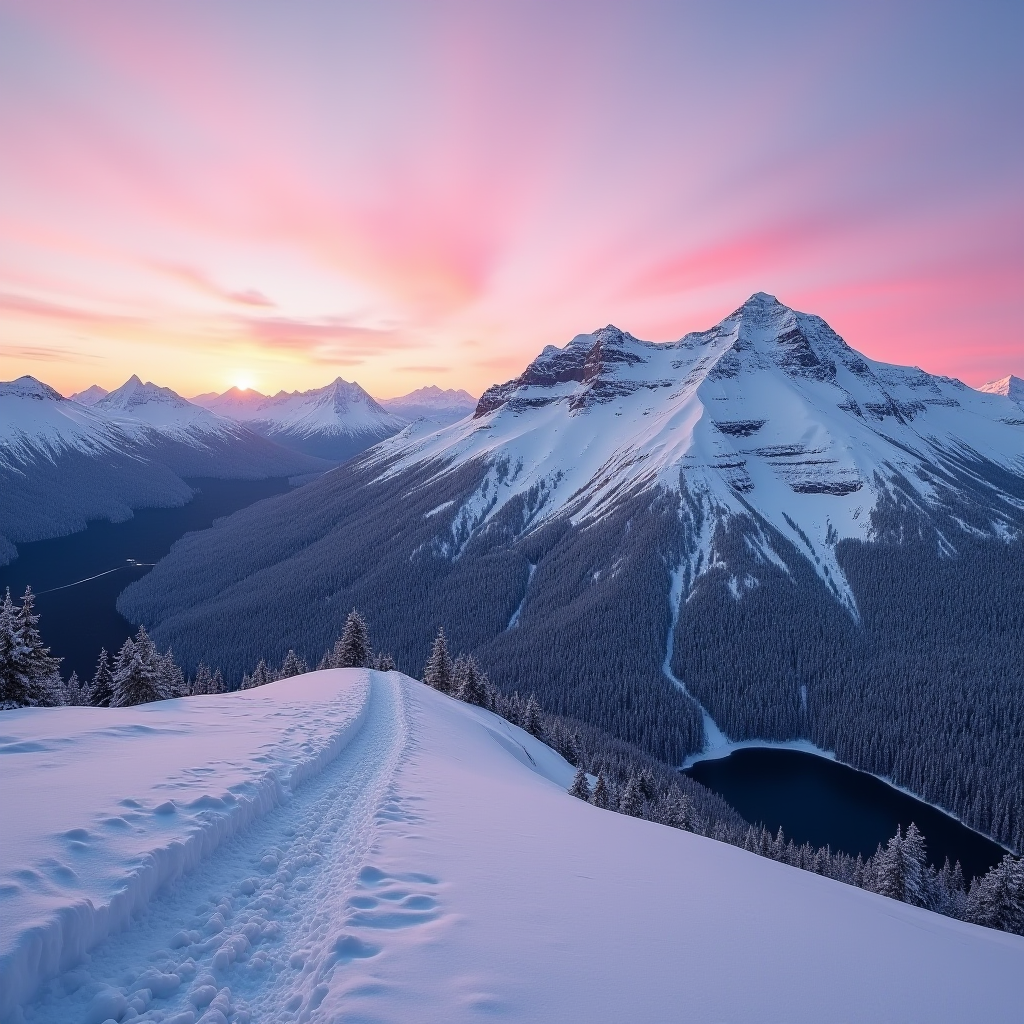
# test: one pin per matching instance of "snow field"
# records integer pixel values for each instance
(436, 870)
(104, 807)
(534, 906)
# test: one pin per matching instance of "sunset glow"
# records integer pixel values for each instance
(412, 194)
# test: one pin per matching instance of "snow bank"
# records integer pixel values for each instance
(101, 807)
(491, 892)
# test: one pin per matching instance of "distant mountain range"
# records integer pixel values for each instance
(432, 404)
(754, 531)
(101, 454)
(63, 463)
(336, 421)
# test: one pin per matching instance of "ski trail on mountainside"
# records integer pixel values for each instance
(253, 935)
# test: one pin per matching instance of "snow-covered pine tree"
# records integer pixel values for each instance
(384, 663)
(13, 690)
(917, 887)
(901, 871)
(353, 647)
(632, 800)
(473, 689)
(29, 676)
(217, 683)
(73, 693)
(602, 795)
(203, 682)
(137, 673)
(676, 808)
(101, 691)
(580, 787)
(172, 679)
(532, 719)
(647, 787)
(293, 665)
(438, 671)
(951, 897)
(261, 675)
(996, 900)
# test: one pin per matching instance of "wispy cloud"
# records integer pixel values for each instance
(204, 282)
(44, 309)
(49, 354)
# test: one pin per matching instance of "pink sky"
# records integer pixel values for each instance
(276, 194)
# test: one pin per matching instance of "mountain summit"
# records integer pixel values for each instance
(1010, 386)
(769, 412)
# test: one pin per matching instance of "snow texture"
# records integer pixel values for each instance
(434, 869)
(101, 807)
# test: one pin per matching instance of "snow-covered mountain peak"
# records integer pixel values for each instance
(29, 387)
(769, 413)
(1010, 386)
(90, 396)
(332, 422)
(138, 406)
(431, 403)
(133, 394)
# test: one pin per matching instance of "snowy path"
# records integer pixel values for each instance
(253, 934)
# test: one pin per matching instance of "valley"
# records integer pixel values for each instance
(78, 618)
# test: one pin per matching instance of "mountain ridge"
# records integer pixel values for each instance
(63, 463)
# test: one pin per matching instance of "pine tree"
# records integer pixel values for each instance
(73, 693)
(602, 796)
(632, 800)
(217, 682)
(172, 679)
(101, 691)
(531, 718)
(676, 808)
(203, 682)
(384, 663)
(996, 900)
(137, 672)
(467, 681)
(293, 665)
(353, 647)
(28, 674)
(438, 671)
(13, 686)
(901, 870)
(580, 787)
(260, 676)
(916, 888)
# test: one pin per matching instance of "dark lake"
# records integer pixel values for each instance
(821, 802)
(78, 618)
